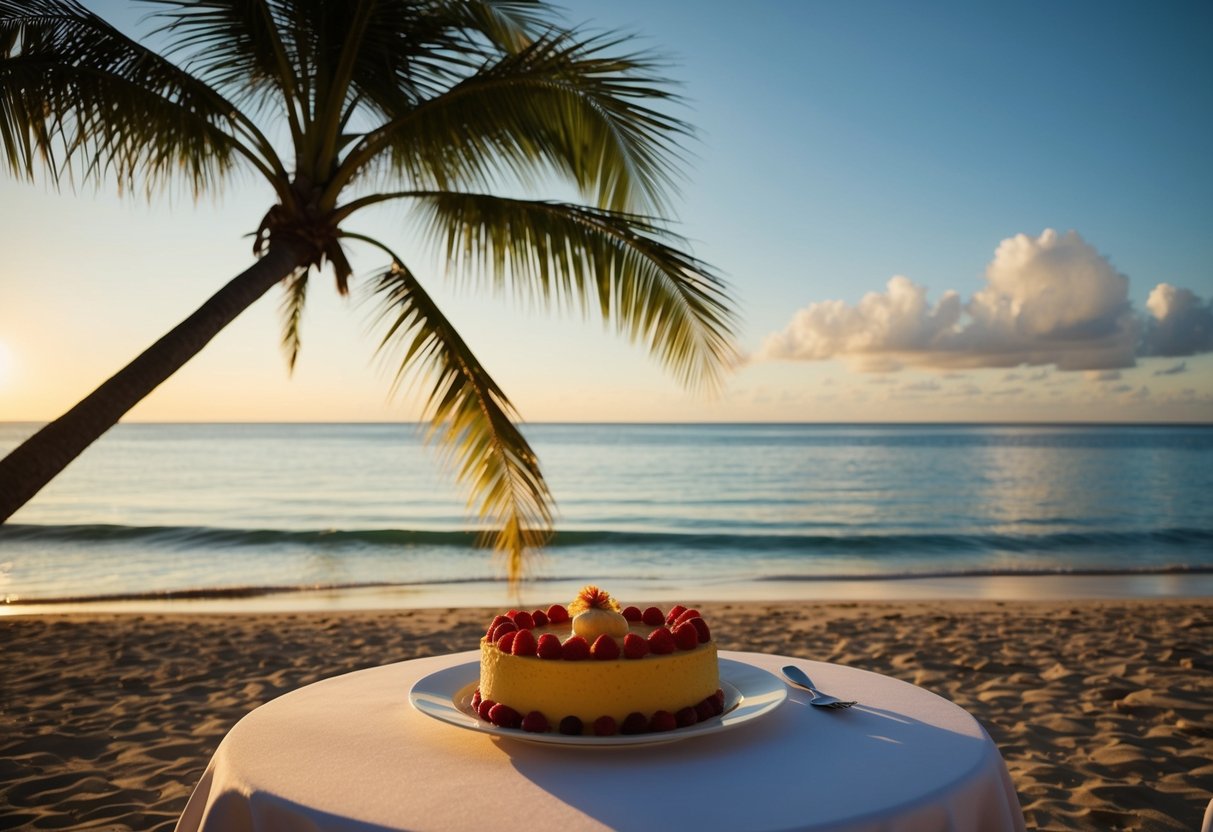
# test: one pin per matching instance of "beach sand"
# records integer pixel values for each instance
(1103, 710)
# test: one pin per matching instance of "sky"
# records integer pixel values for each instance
(939, 211)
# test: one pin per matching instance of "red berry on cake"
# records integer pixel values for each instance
(501, 629)
(686, 717)
(536, 723)
(604, 648)
(476, 700)
(662, 721)
(511, 614)
(661, 641)
(497, 619)
(571, 725)
(632, 613)
(635, 723)
(686, 616)
(482, 710)
(685, 636)
(548, 647)
(506, 642)
(705, 710)
(701, 627)
(574, 649)
(653, 616)
(524, 621)
(557, 614)
(540, 618)
(672, 616)
(634, 647)
(605, 726)
(524, 643)
(503, 716)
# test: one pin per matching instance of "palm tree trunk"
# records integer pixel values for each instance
(35, 462)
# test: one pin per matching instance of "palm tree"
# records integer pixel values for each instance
(449, 106)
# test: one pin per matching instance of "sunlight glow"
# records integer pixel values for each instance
(6, 366)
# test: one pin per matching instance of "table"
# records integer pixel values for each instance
(351, 753)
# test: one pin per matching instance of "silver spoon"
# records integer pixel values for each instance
(799, 678)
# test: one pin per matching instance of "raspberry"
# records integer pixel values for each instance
(661, 641)
(605, 726)
(604, 648)
(718, 700)
(506, 643)
(704, 711)
(570, 725)
(503, 716)
(686, 616)
(631, 613)
(557, 614)
(536, 723)
(662, 721)
(653, 617)
(701, 627)
(672, 616)
(685, 717)
(501, 629)
(482, 710)
(685, 636)
(539, 617)
(524, 621)
(635, 723)
(476, 700)
(634, 647)
(524, 643)
(548, 647)
(512, 614)
(499, 619)
(575, 649)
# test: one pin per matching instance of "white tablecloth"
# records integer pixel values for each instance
(351, 753)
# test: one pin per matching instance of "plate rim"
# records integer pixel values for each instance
(758, 694)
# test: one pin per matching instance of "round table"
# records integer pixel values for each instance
(351, 753)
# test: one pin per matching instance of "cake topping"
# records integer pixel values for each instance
(575, 648)
(548, 647)
(604, 648)
(596, 613)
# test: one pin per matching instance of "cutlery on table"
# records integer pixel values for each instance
(801, 679)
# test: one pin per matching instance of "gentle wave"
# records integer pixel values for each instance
(893, 543)
(247, 592)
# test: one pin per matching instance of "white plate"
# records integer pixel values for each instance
(749, 692)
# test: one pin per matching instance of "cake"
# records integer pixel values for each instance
(592, 668)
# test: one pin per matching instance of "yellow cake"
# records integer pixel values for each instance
(594, 669)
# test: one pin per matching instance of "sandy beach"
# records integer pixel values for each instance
(1103, 710)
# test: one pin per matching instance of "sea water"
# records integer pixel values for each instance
(704, 510)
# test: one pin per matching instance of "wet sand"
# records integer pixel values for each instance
(1103, 710)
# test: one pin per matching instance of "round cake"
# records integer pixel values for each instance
(592, 668)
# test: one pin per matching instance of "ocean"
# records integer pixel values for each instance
(339, 515)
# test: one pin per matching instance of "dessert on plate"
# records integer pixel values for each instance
(594, 668)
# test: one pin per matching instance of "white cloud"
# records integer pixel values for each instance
(1048, 300)
(1180, 323)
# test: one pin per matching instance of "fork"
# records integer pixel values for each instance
(801, 679)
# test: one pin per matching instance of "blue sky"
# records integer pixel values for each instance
(1045, 162)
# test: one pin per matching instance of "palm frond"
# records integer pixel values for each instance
(561, 104)
(80, 99)
(292, 315)
(470, 417)
(573, 256)
(237, 46)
